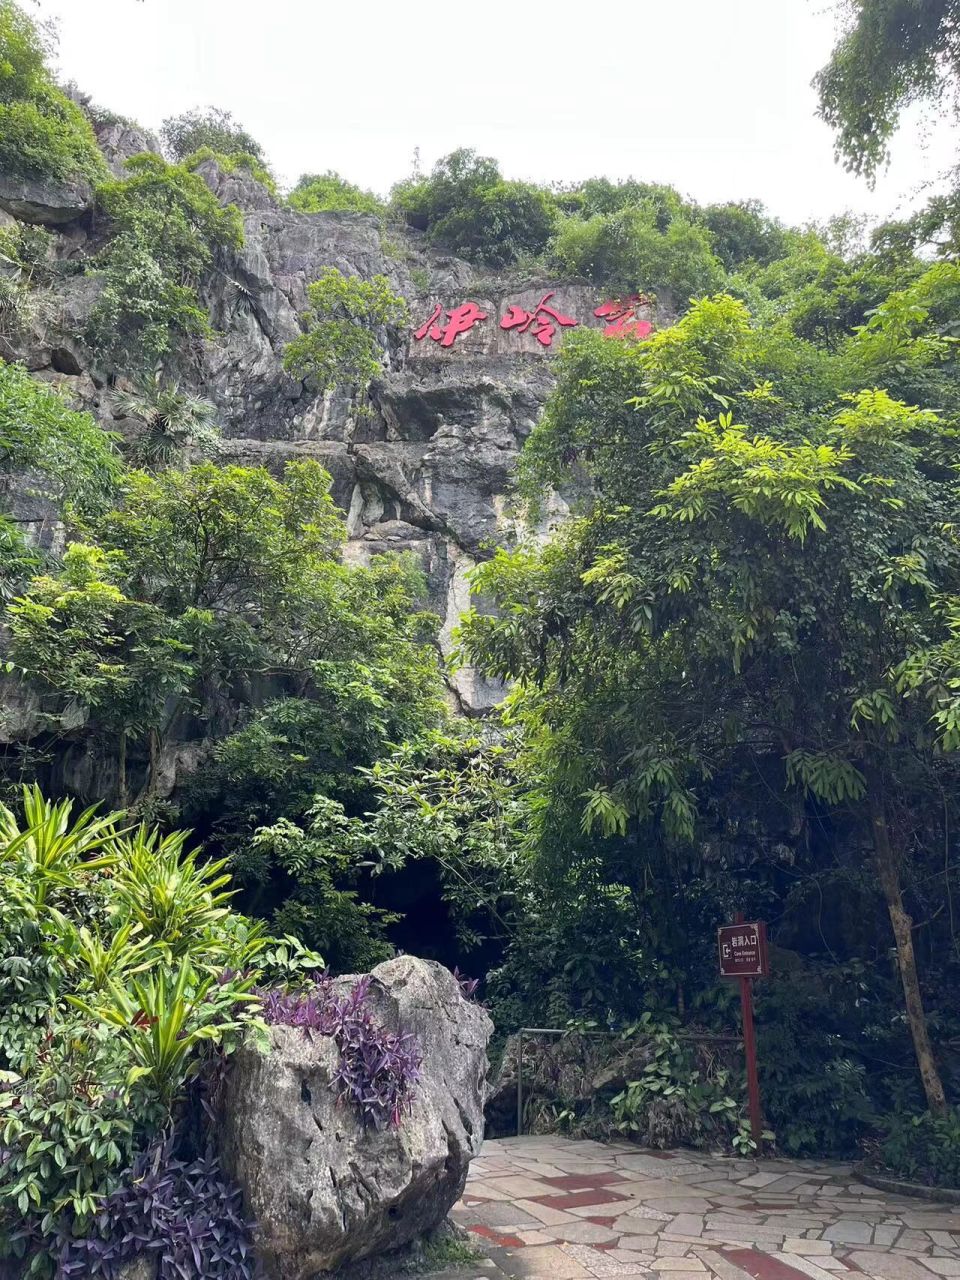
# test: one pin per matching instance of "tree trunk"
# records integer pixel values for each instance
(888, 867)
(122, 770)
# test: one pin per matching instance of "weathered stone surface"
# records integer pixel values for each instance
(47, 203)
(323, 1189)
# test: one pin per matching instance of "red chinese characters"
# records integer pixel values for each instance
(459, 320)
(541, 322)
(621, 314)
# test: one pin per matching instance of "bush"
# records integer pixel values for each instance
(42, 133)
(212, 128)
(169, 229)
(626, 252)
(110, 943)
(39, 432)
(922, 1148)
(229, 163)
(323, 192)
(466, 206)
(340, 344)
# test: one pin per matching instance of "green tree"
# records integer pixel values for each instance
(342, 342)
(210, 127)
(627, 252)
(467, 206)
(762, 554)
(892, 53)
(42, 133)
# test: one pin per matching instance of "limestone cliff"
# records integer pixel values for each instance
(428, 466)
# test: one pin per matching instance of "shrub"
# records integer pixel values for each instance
(169, 229)
(626, 252)
(39, 432)
(212, 128)
(467, 206)
(922, 1148)
(182, 1214)
(42, 133)
(340, 344)
(322, 192)
(119, 968)
(230, 163)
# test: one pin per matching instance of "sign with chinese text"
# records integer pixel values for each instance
(527, 322)
(743, 950)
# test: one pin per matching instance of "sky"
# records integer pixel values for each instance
(712, 96)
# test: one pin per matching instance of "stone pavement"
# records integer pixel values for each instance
(566, 1209)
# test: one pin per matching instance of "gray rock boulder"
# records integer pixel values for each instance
(326, 1191)
(48, 203)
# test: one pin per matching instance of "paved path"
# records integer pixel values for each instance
(565, 1209)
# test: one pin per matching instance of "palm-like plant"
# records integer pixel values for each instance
(177, 902)
(176, 425)
(166, 1017)
(51, 845)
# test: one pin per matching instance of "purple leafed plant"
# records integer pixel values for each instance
(183, 1215)
(468, 986)
(377, 1068)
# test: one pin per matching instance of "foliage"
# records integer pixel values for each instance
(328, 192)
(212, 128)
(181, 1214)
(466, 206)
(174, 423)
(341, 343)
(890, 54)
(626, 251)
(760, 563)
(921, 1148)
(74, 459)
(42, 133)
(672, 1101)
(377, 1068)
(232, 162)
(169, 229)
(106, 1004)
(743, 232)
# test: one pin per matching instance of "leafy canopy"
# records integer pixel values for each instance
(341, 341)
(328, 192)
(42, 133)
(211, 127)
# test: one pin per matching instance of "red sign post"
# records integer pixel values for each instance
(742, 951)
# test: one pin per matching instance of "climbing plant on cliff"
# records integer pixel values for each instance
(767, 554)
(168, 230)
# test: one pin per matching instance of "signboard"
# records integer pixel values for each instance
(743, 950)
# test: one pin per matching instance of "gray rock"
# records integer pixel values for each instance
(48, 203)
(324, 1190)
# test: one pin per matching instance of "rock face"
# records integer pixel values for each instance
(323, 1189)
(426, 466)
(48, 203)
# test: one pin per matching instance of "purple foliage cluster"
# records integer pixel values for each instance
(468, 986)
(183, 1215)
(377, 1068)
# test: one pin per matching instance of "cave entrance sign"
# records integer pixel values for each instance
(742, 952)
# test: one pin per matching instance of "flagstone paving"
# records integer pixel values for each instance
(564, 1209)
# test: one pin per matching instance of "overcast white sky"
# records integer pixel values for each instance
(713, 96)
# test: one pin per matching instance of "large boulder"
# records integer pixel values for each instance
(323, 1188)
